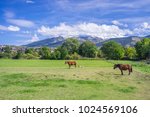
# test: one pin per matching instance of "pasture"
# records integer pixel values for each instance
(53, 80)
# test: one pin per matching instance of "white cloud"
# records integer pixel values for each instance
(30, 2)
(142, 30)
(13, 28)
(21, 22)
(9, 28)
(92, 29)
(146, 25)
(33, 39)
(115, 22)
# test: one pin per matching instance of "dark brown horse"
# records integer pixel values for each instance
(123, 67)
(71, 63)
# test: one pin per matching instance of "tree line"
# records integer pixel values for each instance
(73, 49)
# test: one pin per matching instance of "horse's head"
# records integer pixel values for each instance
(115, 66)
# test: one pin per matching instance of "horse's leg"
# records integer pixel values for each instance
(69, 66)
(129, 71)
(121, 72)
(75, 65)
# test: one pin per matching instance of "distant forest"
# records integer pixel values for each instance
(72, 49)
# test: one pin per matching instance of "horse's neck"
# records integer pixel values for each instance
(119, 66)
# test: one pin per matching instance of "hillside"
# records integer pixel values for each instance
(125, 41)
(57, 41)
(51, 42)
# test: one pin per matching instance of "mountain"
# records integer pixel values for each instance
(148, 36)
(57, 41)
(90, 38)
(51, 42)
(125, 41)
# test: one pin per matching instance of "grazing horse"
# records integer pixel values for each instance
(71, 63)
(123, 67)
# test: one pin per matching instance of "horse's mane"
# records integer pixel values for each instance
(117, 64)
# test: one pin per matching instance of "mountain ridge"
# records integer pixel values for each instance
(57, 41)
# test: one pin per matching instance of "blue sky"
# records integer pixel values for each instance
(25, 21)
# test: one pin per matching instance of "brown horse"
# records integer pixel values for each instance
(71, 63)
(123, 67)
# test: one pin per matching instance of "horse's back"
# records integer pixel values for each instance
(72, 62)
(125, 66)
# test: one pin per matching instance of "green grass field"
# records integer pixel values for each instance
(52, 80)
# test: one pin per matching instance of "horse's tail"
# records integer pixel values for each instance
(131, 68)
(77, 65)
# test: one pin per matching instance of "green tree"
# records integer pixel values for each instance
(99, 53)
(68, 57)
(1, 55)
(63, 51)
(45, 52)
(75, 56)
(29, 56)
(71, 45)
(143, 48)
(88, 49)
(29, 50)
(130, 53)
(5, 55)
(112, 50)
(7, 52)
(7, 49)
(19, 55)
(56, 55)
(32, 51)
